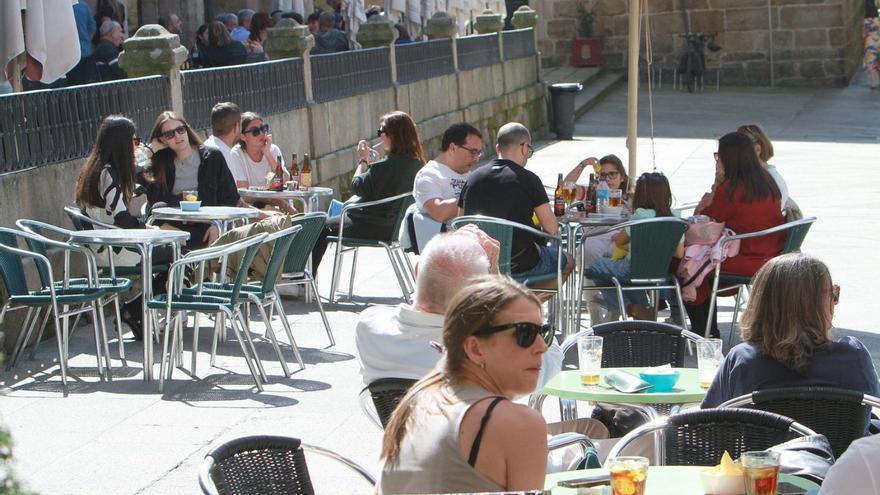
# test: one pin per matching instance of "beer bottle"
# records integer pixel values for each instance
(559, 198)
(305, 180)
(591, 195)
(278, 179)
(294, 170)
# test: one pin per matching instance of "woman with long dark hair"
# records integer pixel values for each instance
(746, 200)
(381, 179)
(260, 24)
(222, 50)
(255, 157)
(457, 429)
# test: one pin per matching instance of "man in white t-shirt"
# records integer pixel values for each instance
(856, 471)
(439, 183)
(225, 130)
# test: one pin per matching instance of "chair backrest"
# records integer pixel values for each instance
(282, 239)
(45, 230)
(700, 437)
(265, 464)
(638, 343)
(386, 394)
(797, 232)
(249, 253)
(11, 265)
(301, 248)
(841, 415)
(402, 205)
(81, 221)
(495, 228)
(652, 244)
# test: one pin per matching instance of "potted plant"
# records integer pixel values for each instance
(586, 50)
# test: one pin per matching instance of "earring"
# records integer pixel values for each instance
(483, 366)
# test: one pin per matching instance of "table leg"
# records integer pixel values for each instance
(147, 282)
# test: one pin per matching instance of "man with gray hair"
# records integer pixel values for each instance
(107, 52)
(243, 30)
(505, 189)
(395, 341)
(229, 20)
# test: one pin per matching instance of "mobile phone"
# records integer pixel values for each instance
(587, 481)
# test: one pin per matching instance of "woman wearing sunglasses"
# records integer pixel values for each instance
(255, 157)
(374, 180)
(786, 332)
(182, 163)
(457, 430)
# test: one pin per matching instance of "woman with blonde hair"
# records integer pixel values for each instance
(786, 333)
(457, 429)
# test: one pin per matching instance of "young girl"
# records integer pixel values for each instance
(652, 198)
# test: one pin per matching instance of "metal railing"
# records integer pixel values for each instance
(266, 87)
(343, 74)
(424, 60)
(54, 125)
(519, 43)
(478, 51)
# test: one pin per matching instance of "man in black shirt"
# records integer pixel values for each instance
(505, 189)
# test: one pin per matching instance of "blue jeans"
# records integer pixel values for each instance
(601, 272)
(547, 262)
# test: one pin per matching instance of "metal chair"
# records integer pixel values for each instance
(296, 270)
(839, 414)
(795, 233)
(653, 242)
(51, 296)
(399, 262)
(265, 465)
(700, 437)
(177, 301)
(379, 399)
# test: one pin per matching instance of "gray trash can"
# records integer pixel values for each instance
(562, 100)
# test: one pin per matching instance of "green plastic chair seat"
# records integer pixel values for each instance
(355, 242)
(191, 302)
(224, 290)
(112, 285)
(71, 295)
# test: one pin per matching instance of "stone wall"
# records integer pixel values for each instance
(816, 42)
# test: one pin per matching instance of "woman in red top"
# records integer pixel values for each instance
(746, 199)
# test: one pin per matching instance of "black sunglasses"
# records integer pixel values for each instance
(256, 131)
(380, 131)
(181, 129)
(525, 332)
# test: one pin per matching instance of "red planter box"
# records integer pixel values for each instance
(586, 52)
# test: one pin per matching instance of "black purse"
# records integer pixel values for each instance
(807, 457)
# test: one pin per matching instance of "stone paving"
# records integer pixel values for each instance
(123, 437)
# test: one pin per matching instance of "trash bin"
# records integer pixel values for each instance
(562, 100)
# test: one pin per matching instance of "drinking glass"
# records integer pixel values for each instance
(615, 198)
(708, 360)
(590, 358)
(568, 192)
(761, 472)
(190, 195)
(628, 475)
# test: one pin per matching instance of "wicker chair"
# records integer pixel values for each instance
(264, 465)
(700, 437)
(379, 398)
(838, 414)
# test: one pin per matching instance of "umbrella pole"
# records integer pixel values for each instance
(632, 107)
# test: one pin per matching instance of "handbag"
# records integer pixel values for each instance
(807, 457)
(703, 230)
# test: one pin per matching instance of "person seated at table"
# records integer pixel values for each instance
(225, 128)
(764, 150)
(855, 471)
(505, 189)
(106, 191)
(372, 181)
(746, 199)
(395, 341)
(612, 172)
(457, 429)
(255, 160)
(786, 332)
(652, 198)
(182, 163)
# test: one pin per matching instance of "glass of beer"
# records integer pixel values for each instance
(568, 192)
(589, 359)
(628, 475)
(615, 198)
(708, 360)
(761, 472)
(190, 195)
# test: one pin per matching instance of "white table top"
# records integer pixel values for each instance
(592, 218)
(204, 214)
(285, 194)
(129, 237)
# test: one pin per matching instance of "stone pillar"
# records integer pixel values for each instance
(524, 17)
(153, 51)
(489, 22)
(441, 25)
(379, 31)
(288, 39)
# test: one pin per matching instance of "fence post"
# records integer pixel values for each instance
(288, 39)
(380, 31)
(525, 17)
(153, 51)
(443, 25)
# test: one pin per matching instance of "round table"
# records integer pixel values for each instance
(309, 197)
(205, 214)
(662, 480)
(144, 240)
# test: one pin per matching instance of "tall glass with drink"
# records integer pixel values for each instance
(628, 475)
(569, 191)
(761, 472)
(708, 360)
(615, 198)
(590, 358)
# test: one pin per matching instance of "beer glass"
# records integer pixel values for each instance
(615, 198)
(568, 192)
(708, 360)
(761, 472)
(589, 358)
(628, 475)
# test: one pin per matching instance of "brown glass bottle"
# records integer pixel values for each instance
(305, 180)
(559, 198)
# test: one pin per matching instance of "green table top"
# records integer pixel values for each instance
(662, 480)
(567, 385)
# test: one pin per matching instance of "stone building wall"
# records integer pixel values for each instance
(816, 42)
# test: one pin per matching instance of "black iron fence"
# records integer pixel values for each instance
(267, 88)
(53, 125)
(424, 60)
(478, 51)
(339, 75)
(518, 43)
